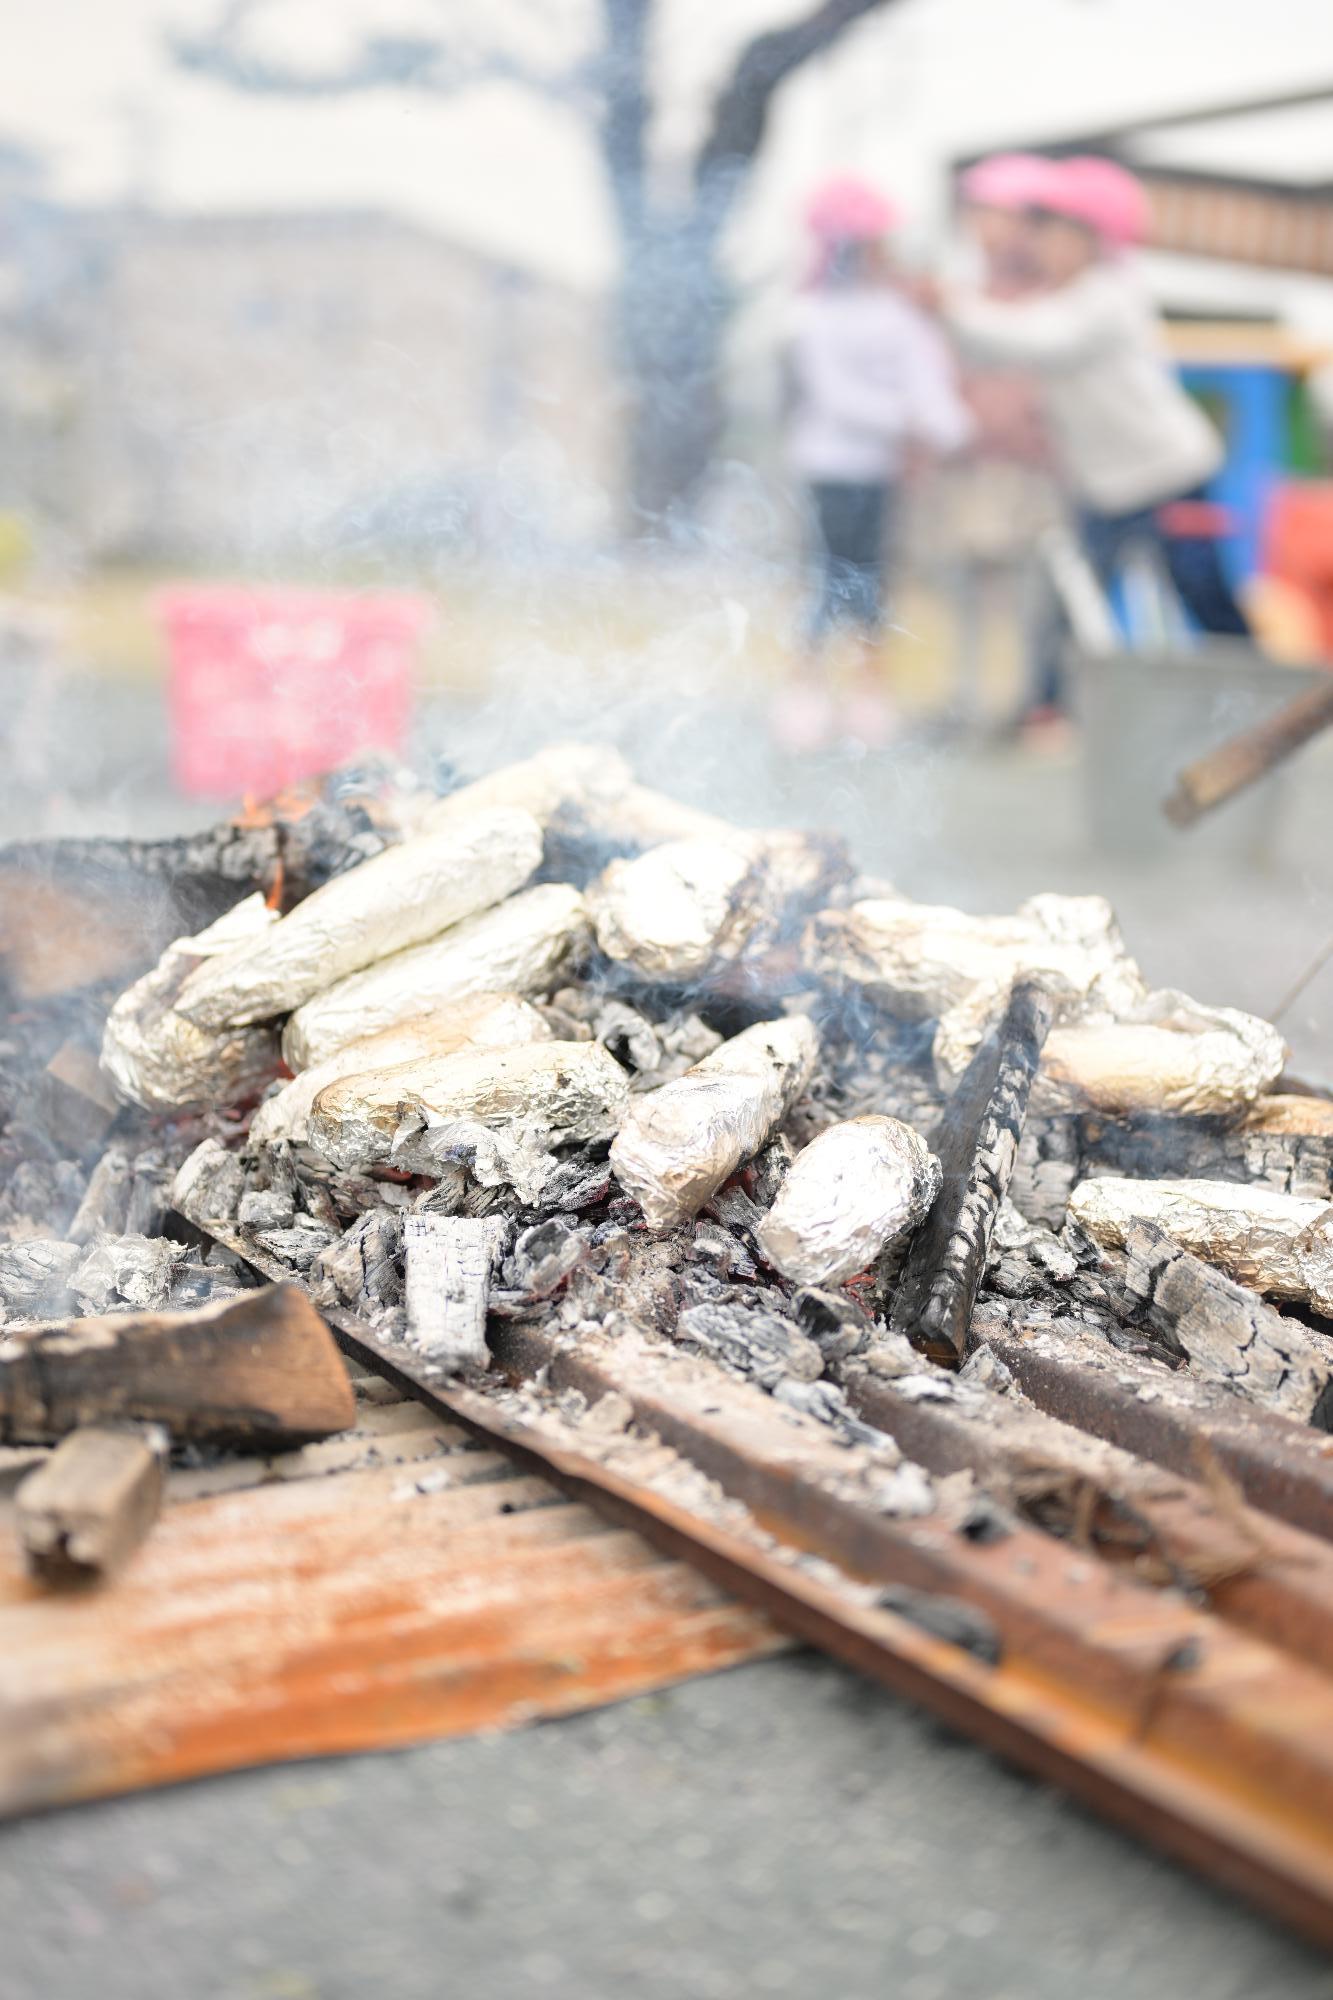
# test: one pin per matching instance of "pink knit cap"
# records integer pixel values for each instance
(1009, 180)
(1101, 195)
(848, 209)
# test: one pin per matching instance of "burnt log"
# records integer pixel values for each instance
(258, 1370)
(976, 1144)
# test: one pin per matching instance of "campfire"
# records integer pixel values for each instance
(596, 1117)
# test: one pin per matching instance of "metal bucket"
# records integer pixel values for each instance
(1144, 714)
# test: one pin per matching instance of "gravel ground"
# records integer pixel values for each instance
(780, 1829)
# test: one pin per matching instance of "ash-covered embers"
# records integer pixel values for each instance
(640, 1106)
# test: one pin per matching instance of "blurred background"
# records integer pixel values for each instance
(415, 375)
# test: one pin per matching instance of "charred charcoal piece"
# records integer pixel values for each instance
(448, 1264)
(401, 898)
(860, 1188)
(104, 1209)
(839, 1327)
(1228, 1335)
(976, 1144)
(126, 1271)
(363, 1269)
(751, 1341)
(518, 947)
(948, 1618)
(680, 1143)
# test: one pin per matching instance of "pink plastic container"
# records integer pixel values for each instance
(267, 686)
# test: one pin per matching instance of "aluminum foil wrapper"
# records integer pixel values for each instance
(489, 1020)
(681, 1142)
(519, 947)
(401, 898)
(859, 1188)
(1278, 1244)
(689, 906)
(156, 1058)
(555, 1093)
(1172, 1055)
(666, 912)
(583, 785)
(922, 960)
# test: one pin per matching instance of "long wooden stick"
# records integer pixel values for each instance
(1218, 775)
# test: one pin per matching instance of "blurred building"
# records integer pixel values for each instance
(335, 388)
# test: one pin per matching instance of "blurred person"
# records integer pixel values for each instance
(870, 382)
(1127, 440)
(994, 197)
(1004, 496)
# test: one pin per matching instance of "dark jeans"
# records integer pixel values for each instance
(1193, 563)
(853, 523)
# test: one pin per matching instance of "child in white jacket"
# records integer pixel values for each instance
(1127, 439)
(870, 377)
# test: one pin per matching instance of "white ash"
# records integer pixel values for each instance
(34, 1276)
(266, 1208)
(862, 1187)
(1277, 1244)
(126, 1271)
(678, 1144)
(158, 1059)
(404, 896)
(487, 1020)
(520, 947)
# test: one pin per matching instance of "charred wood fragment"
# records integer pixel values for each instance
(260, 1369)
(976, 1144)
(91, 1502)
(447, 1277)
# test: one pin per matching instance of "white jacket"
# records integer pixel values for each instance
(1124, 432)
(870, 372)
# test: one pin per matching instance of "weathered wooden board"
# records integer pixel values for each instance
(387, 1586)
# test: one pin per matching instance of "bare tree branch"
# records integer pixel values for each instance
(411, 62)
(740, 112)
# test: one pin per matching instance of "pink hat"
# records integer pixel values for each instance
(1008, 180)
(848, 208)
(1102, 196)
